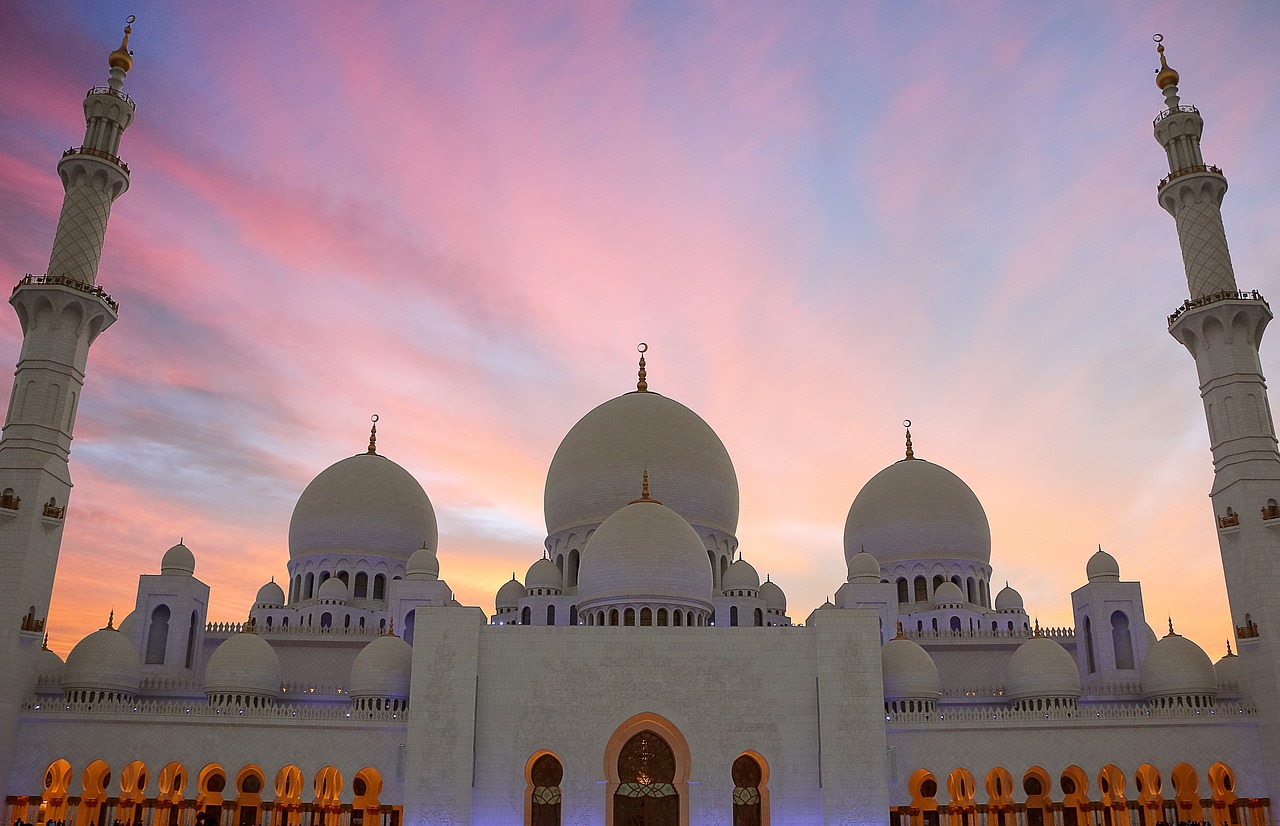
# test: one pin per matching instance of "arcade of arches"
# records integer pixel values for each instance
(176, 795)
(1075, 799)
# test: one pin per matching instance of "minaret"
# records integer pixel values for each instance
(61, 313)
(1222, 328)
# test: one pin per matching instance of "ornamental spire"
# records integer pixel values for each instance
(1166, 77)
(644, 491)
(911, 454)
(122, 58)
(111, 621)
(373, 435)
(642, 386)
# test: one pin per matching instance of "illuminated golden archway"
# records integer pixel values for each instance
(1115, 808)
(1186, 792)
(674, 739)
(1150, 794)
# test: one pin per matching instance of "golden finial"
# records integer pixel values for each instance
(900, 636)
(1230, 653)
(1172, 633)
(122, 58)
(391, 628)
(249, 627)
(111, 621)
(644, 491)
(911, 454)
(1037, 631)
(1166, 76)
(373, 435)
(45, 646)
(642, 385)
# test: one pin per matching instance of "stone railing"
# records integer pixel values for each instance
(1189, 110)
(969, 714)
(1214, 298)
(179, 708)
(987, 633)
(290, 630)
(97, 153)
(10, 501)
(1187, 170)
(63, 281)
(107, 90)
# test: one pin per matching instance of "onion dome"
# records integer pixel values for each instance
(1167, 76)
(122, 58)
(1102, 567)
(509, 595)
(1177, 672)
(365, 505)
(916, 510)
(423, 565)
(243, 666)
(1041, 669)
(270, 595)
(645, 552)
(543, 575)
(740, 576)
(774, 598)
(49, 669)
(178, 561)
(102, 666)
(595, 469)
(909, 671)
(1228, 672)
(381, 672)
(332, 590)
(1009, 600)
(864, 567)
(948, 593)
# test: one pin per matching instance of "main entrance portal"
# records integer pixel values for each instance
(645, 795)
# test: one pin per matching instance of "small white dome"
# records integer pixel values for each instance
(1102, 567)
(542, 574)
(948, 593)
(510, 594)
(1008, 600)
(366, 504)
(774, 598)
(645, 551)
(178, 561)
(243, 664)
(382, 669)
(126, 624)
(270, 595)
(1177, 667)
(423, 565)
(864, 567)
(49, 668)
(1041, 669)
(916, 510)
(1229, 674)
(332, 590)
(740, 576)
(103, 661)
(909, 671)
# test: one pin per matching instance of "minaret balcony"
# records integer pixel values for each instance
(64, 281)
(10, 502)
(1186, 170)
(1187, 110)
(107, 90)
(1214, 298)
(97, 153)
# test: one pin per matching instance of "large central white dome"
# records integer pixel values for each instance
(597, 466)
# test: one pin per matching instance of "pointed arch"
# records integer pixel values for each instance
(543, 772)
(1075, 796)
(250, 782)
(750, 775)
(961, 788)
(1222, 785)
(93, 792)
(1186, 792)
(1150, 794)
(999, 785)
(288, 796)
(923, 787)
(1037, 786)
(53, 800)
(171, 784)
(1111, 786)
(671, 736)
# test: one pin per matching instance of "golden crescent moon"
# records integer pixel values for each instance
(906, 423)
(642, 347)
(1159, 38)
(130, 19)
(374, 418)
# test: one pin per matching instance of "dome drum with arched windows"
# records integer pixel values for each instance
(911, 682)
(243, 671)
(1042, 676)
(381, 674)
(103, 667)
(1177, 673)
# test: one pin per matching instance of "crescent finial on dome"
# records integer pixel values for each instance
(1230, 653)
(911, 454)
(900, 636)
(1037, 633)
(391, 626)
(1172, 633)
(1166, 76)
(122, 58)
(111, 621)
(373, 435)
(642, 384)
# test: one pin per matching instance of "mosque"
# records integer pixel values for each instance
(641, 672)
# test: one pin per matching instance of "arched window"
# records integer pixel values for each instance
(759, 618)
(324, 576)
(345, 577)
(955, 625)
(662, 616)
(747, 808)
(409, 620)
(1088, 645)
(544, 793)
(295, 589)
(191, 639)
(551, 615)
(526, 616)
(677, 617)
(380, 586)
(309, 588)
(938, 579)
(361, 590)
(646, 771)
(921, 589)
(571, 576)
(646, 616)
(613, 616)
(984, 594)
(733, 616)
(972, 590)
(158, 635)
(935, 625)
(629, 617)
(1122, 640)
(326, 620)
(573, 615)
(904, 592)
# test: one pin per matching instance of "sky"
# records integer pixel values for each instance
(823, 218)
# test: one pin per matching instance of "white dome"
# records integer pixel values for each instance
(49, 668)
(948, 593)
(1177, 667)
(270, 595)
(1229, 674)
(510, 594)
(423, 565)
(909, 671)
(1008, 599)
(243, 664)
(645, 551)
(597, 467)
(103, 661)
(1040, 669)
(382, 669)
(126, 624)
(915, 509)
(774, 598)
(740, 576)
(178, 561)
(542, 574)
(864, 567)
(332, 590)
(366, 504)
(1102, 567)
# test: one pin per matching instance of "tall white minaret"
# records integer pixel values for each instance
(1222, 328)
(61, 313)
